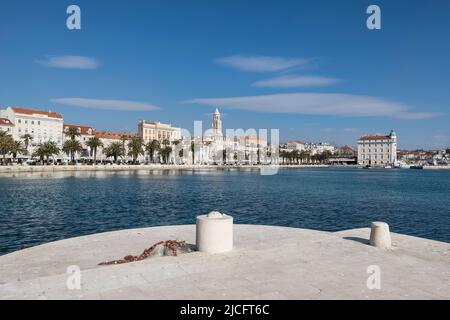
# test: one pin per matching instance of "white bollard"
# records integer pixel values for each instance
(380, 236)
(214, 233)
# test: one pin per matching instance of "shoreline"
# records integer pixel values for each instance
(156, 167)
(152, 167)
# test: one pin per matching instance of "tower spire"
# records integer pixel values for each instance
(217, 122)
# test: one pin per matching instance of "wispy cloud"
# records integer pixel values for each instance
(330, 104)
(292, 81)
(125, 105)
(262, 63)
(70, 62)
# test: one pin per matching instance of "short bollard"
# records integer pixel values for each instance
(380, 235)
(214, 233)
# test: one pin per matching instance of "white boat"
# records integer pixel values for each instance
(402, 165)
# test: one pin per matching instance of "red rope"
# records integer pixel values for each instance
(171, 244)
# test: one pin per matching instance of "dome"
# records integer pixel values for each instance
(393, 134)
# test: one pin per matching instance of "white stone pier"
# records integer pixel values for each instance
(265, 263)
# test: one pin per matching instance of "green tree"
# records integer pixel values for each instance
(27, 138)
(124, 138)
(258, 154)
(71, 147)
(94, 143)
(16, 148)
(152, 147)
(165, 153)
(136, 148)
(303, 155)
(5, 144)
(166, 143)
(114, 150)
(193, 152)
(46, 150)
(72, 133)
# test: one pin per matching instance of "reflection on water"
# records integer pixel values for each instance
(110, 173)
(41, 207)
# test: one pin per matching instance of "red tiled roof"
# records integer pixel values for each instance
(6, 122)
(33, 111)
(83, 129)
(346, 148)
(296, 141)
(374, 138)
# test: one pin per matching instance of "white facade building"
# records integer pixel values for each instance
(237, 147)
(318, 148)
(311, 148)
(86, 133)
(377, 150)
(7, 126)
(107, 138)
(295, 145)
(43, 126)
(153, 130)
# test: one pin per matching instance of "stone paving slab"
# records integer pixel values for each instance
(266, 263)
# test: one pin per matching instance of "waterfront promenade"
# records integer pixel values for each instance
(266, 263)
(151, 167)
(75, 168)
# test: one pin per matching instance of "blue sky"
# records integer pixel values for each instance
(310, 68)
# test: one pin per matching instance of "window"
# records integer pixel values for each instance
(20, 121)
(39, 123)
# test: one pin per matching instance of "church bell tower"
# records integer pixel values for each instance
(217, 123)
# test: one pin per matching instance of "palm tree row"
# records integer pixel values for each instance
(72, 147)
(137, 147)
(300, 157)
(10, 146)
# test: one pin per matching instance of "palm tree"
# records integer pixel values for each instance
(269, 154)
(94, 143)
(72, 133)
(308, 157)
(46, 150)
(27, 138)
(193, 152)
(72, 147)
(166, 153)
(5, 144)
(4, 134)
(152, 147)
(296, 156)
(114, 150)
(124, 138)
(166, 143)
(302, 156)
(16, 148)
(135, 147)
(51, 148)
